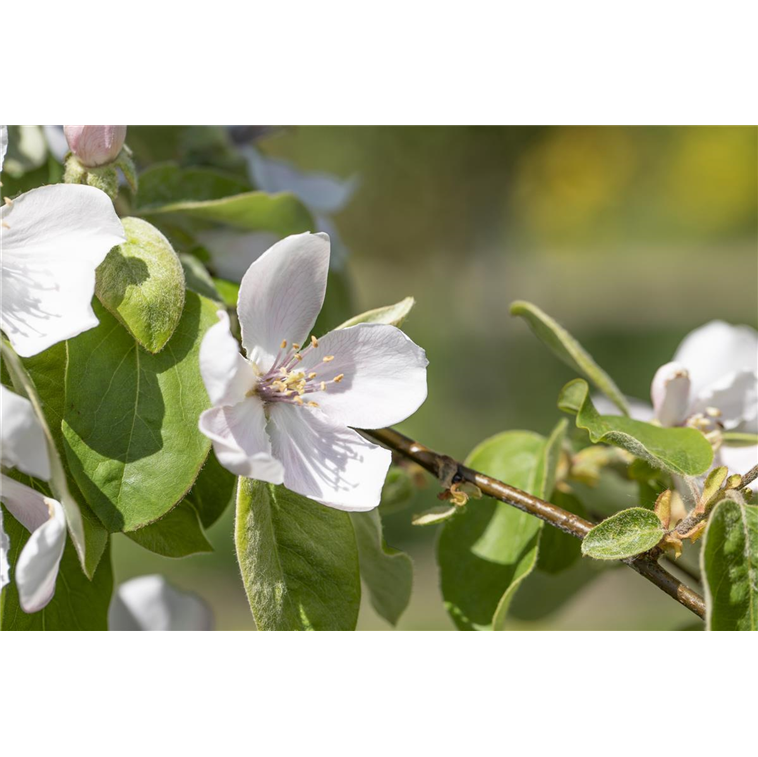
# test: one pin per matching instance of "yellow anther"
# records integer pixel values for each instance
(295, 346)
(8, 200)
(329, 358)
(299, 400)
(4, 225)
(714, 412)
(314, 341)
(298, 356)
(313, 404)
(283, 345)
(323, 386)
(311, 375)
(339, 378)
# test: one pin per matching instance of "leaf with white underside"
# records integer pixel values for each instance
(386, 572)
(177, 534)
(298, 558)
(487, 549)
(625, 534)
(569, 350)
(130, 421)
(729, 562)
(141, 282)
(392, 315)
(681, 450)
(434, 515)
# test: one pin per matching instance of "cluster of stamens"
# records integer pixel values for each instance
(284, 382)
(708, 423)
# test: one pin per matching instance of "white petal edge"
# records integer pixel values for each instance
(3, 144)
(5, 548)
(384, 375)
(281, 295)
(716, 349)
(332, 465)
(22, 440)
(54, 239)
(240, 441)
(226, 374)
(150, 603)
(670, 392)
(735, 395)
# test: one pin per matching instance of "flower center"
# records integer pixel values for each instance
(285, 382)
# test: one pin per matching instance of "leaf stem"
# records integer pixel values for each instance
(440, 466)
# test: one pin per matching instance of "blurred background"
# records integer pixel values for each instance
(630, 237)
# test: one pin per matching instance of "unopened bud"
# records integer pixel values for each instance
(670, 393)
(95, 145)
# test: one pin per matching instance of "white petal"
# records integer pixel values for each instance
(232, 252)
(716, 349)
(670, 392)
(37, 568)
(281, 294)
(150, 603)
(734, 395)
(321, 192)
(25, 504)
(740, 460)
(384, 375)
(56, 142)
(22, 440)
(240, 441)
(3, 144)
(226, 374)
(333, 465)
(54, 239)
(5, 548)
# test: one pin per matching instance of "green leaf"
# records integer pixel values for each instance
(229, 291)
(198, 279)
(729, 562)
(78, 604)
(213, 491)
(625, 534)
(58, 484)
(559, 551)
(168, 184)
(298, 558)
(141, 282)
(177, 534)
(485, 551)
(398, 490)
(130, 420)
(738, 439)
(27, 150)
(682, 450)
(569, 350)
(387, 572)
(392, 315)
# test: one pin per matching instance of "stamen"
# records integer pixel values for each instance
(329, 358)
(283, 345)
(295, 346)
(323, 386)
(299, 400)
(311, 375)
(313, 404)
(339, 378)
(298, 356)
(8, 200)
(314, 341)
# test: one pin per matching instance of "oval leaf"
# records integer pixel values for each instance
(625, 534)
(177, 534)
(213, 491)
(729, 561)
(681, 450)
(298, 558)
(141, 282)
(130, 420)
(386, 572)
(392, 315)
(569, 351)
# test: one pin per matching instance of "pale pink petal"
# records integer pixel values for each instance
(53, 239)
(22, 440)
(383, 375)
(240, 441)
(227, 376)
(333, 465)
(670, 392)
(281, 295)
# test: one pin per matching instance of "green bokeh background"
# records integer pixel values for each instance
(631, 237)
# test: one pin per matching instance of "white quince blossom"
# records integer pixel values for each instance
(51, 241)
(150, 603)
(286, 412)
(22, 445)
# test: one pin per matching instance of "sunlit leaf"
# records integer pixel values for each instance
(625, 534)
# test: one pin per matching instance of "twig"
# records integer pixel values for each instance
(440, 466)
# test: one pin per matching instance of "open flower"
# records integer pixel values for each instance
(22, 445)
(286, 412)
(52, 240)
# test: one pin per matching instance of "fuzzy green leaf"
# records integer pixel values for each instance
(486, 550)
(681, 450)
(386, 572)
(177, 534)
(130, 420)
(559, 551)
(569, 350)
(298, 558)
(169, 184)
(213, 491)
(198, 279)
(141, 282)
(625, 534)
(729, 561)
(392, 315)
(78, 604)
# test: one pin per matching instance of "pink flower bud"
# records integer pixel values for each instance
(670, 393)
(95, 145)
